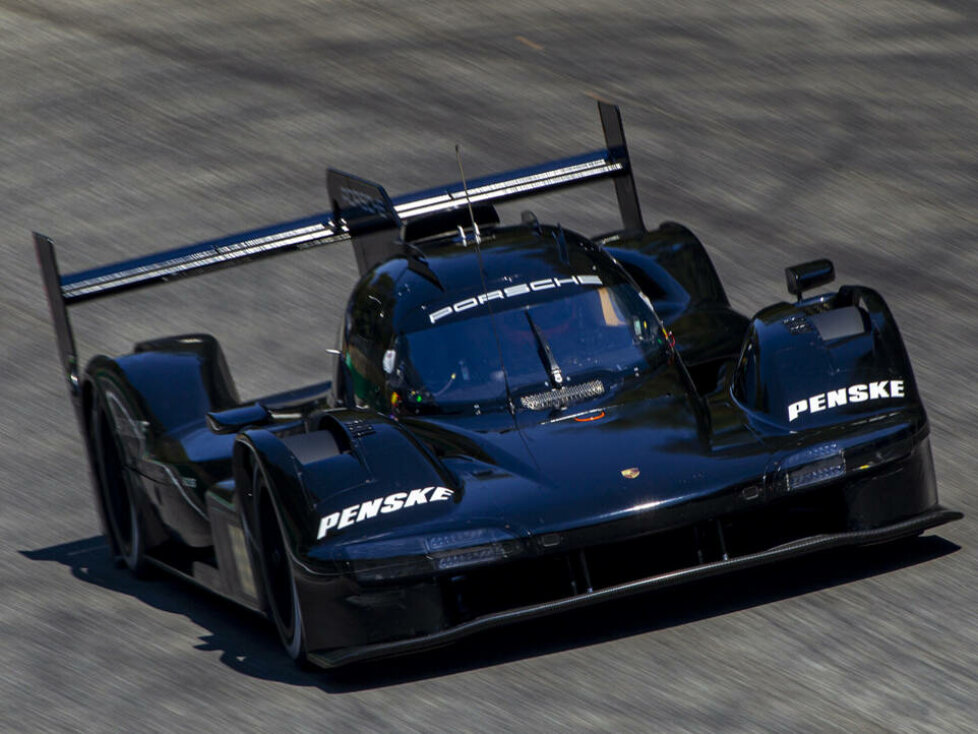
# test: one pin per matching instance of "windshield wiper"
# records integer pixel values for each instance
(546, 354)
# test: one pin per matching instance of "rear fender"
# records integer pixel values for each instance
(173, 381)
(676, 251)
(673, 269)
(165, 386)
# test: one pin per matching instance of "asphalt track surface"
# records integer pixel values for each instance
(779, 131)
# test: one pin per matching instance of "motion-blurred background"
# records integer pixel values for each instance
(778, 131)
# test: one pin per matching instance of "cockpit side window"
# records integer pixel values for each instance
(368, 336)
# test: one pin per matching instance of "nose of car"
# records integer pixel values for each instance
(615, 450)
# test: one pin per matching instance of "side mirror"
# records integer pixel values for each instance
(808, 275)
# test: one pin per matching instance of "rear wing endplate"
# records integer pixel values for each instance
(361, 213)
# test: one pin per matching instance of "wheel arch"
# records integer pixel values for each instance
(112, 422)
(273, 524)
(88, 405)
(262, 450)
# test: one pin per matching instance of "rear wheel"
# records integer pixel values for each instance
(277, 571)
(117, 493)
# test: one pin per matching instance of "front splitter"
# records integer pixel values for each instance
(344, 656)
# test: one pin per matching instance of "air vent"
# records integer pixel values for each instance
(360, 428)
(563, 396)
(798, 324)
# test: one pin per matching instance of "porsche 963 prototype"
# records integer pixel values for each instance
(522, 421)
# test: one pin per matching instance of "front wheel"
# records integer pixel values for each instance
(277, 573)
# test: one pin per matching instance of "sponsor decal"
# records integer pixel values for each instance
(381, 506)
(861, 393)
(369, 204)
(513, 291)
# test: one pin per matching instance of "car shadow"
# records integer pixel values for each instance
(247, 642)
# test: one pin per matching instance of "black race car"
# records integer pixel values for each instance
(522, 421)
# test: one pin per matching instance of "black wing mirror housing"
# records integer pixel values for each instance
(806, 276)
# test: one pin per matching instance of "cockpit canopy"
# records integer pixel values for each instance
(504, 340)
(590, 337)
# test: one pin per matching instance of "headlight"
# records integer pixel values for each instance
(394, 558)
(853, 455)
(814, 465)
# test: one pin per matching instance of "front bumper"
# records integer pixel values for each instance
(932, 518)
(347, 620)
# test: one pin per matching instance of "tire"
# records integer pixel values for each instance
(127, 537)
(276, 569)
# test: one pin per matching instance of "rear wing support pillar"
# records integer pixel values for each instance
(614, 137)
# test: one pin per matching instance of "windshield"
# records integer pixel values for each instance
(554, 352)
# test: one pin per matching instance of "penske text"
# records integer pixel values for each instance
(381, 506)
(859, 393)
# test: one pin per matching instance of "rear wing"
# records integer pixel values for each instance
(362, 213)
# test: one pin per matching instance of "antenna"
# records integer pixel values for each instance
(468, 200)
(485, 288)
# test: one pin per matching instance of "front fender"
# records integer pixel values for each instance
(259, 449)
(829, 359)
(349, 457)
